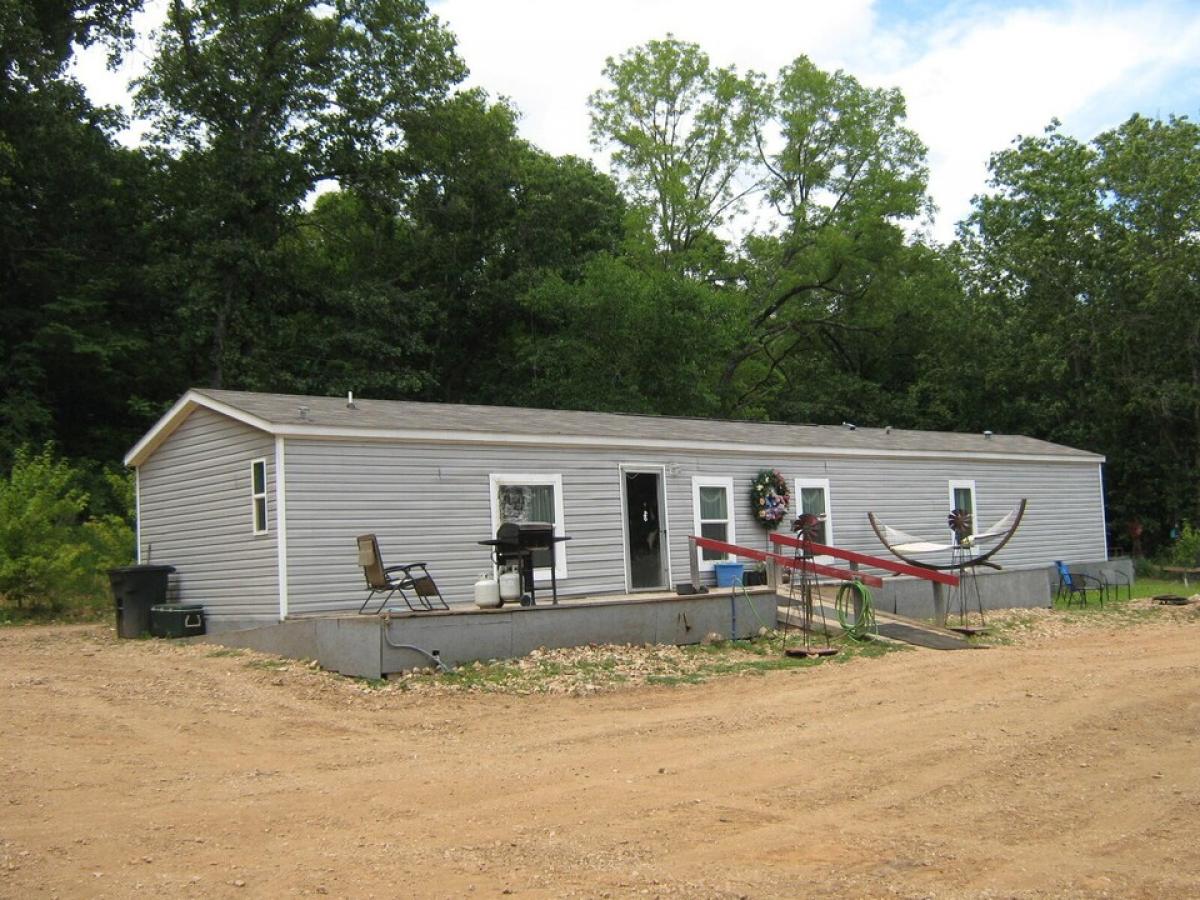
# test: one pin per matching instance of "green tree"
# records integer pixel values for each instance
(38, 38)
(1081, 263)
(51, 553)
(844, 178)
(416, 296)
(622, 338)
(255, 104)
(73, 307)
(681, 130)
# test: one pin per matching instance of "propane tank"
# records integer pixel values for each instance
(487, 592)
(510, 585)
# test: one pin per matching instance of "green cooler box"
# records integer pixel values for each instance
(176, 620)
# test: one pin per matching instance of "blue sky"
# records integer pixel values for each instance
(975, 74)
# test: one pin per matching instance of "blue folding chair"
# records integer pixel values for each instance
(1076, 585)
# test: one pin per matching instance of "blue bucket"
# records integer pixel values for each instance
(729, 574)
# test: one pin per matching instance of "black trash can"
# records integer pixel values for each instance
(136, 589)
(176, 620)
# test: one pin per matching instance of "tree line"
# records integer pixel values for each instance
(320, 206)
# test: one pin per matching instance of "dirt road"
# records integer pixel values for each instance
(1066, 767)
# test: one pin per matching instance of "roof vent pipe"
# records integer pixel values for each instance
(350, 400)
(987, 434)
(849, 425)
(303, 413)
(887, 430)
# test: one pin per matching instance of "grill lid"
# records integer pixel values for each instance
(526, 535)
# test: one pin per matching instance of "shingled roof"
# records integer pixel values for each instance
(334, 417)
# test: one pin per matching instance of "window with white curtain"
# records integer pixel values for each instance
(712, 504)
(962, 496)
(532, 498)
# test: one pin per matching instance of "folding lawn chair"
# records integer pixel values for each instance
(411, 581)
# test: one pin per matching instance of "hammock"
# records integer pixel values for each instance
(903, 545)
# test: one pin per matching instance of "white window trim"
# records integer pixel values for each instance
(541, 573)
(699, 481)
(255, 497)
(830, 536)
(967, 484)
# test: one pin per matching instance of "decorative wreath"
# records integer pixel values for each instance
(769, 498)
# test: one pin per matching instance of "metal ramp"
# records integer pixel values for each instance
(898, 628)
(922, 637)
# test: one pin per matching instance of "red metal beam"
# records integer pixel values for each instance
(791, 562)
(888, 565)
(734, 549)
(788, 562)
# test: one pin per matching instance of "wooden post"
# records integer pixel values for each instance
(694, 563)
(939, 604)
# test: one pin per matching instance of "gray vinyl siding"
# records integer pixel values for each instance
(196, 515)
(430, 503)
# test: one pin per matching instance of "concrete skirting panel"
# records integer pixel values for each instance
(469, 635)
(371, 646)
(295, 639)
(1008, 588)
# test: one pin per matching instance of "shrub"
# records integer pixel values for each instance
(1186, 549)
(52, 554)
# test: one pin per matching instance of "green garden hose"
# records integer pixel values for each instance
(865, 623)
(750, 603)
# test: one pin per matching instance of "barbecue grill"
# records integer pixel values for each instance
(515, 545)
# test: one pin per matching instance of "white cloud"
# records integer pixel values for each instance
(980, 83)
(547, 55)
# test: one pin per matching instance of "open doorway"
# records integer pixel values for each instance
(645, 529)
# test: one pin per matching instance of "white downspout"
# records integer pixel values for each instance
(281, 526)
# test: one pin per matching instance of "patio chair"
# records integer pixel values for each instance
(1076, 585)
(411, 581)
(1114, 578)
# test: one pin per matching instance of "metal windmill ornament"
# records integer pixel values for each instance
(807, 526)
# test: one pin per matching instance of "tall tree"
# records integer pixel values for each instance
(624, 337)
(419, 295)
(844, 176)
(72, 309)
(254, 104)
(1081, 260)
(681, 131)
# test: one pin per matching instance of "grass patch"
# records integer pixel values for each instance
(39, 613)
(472, 676)
(270, 664)
(1152, 587)
(1011, 626)
(674, 680)
(226, 651)
(1143, 588)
